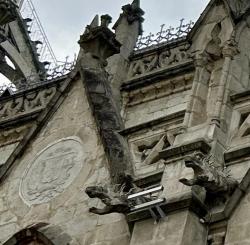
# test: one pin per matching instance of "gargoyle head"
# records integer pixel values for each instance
(95, 191)
(194, 161)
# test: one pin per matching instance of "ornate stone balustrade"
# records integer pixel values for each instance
(25, 104)
(159, 59)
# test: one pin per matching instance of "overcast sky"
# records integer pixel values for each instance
(65, 20)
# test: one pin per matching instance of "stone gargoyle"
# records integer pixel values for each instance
(115, 202)
(207, 175)
(115, 197)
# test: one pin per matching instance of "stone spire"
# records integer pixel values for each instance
(99, 41)
(133, 13)
(95, 22)
(136, 4)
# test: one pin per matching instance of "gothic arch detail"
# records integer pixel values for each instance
(41, 234)
(29, 236)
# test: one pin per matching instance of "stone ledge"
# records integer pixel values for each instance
(240, 97)
(233, 155)
(185, 149)
(172, 117)
(189, 201)
(149, 180)
(158, 47)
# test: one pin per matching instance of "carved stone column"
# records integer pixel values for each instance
(229, 51)
(200, 64)
(98, 43)
(127, 29)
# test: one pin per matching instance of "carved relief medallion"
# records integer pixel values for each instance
(52, 171)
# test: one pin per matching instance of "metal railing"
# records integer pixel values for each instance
(165, 35)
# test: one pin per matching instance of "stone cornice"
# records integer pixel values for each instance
(159, 48)
(240, 97)
(157, 76)
(171, 119)
(186, 149)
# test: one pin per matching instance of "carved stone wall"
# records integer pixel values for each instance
(160, 99)
(62, 187)
(238, 225)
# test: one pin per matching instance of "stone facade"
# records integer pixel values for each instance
(123, 121)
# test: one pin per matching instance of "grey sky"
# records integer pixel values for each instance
(65, 20)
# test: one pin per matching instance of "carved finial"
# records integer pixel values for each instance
(133, 13)
(106, 20)
(99, 41)
(95, 22)
(136, 4)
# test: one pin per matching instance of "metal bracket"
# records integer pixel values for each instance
(150, 204)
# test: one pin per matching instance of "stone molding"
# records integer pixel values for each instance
(190, 202)
(234, 155)
(158, 90)
(172, 119)
(157, 76)
(186, 149)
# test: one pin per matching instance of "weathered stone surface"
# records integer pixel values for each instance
(5, 152)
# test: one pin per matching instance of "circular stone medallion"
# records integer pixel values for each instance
(52, 171)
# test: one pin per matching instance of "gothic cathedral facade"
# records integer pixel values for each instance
(143, 141)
